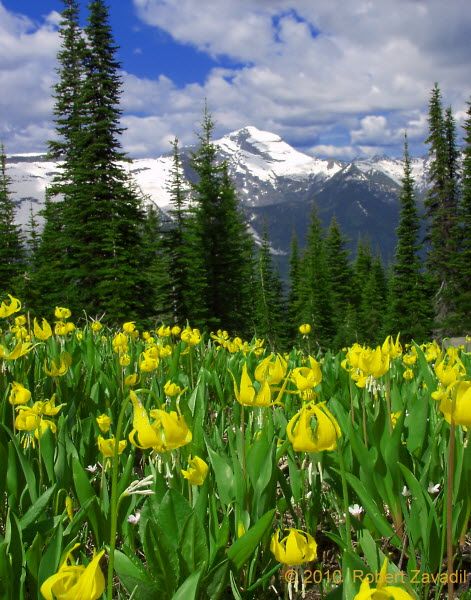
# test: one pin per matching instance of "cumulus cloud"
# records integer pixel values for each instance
(340, 78)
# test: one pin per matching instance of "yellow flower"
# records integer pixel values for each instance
(246, 394)
(27, 419)
(447, 373)
(8, 309)
(18, 351)
(129, 327)
(75, 582)
(192, 337)
(20, 320)
(374, 362)
(120, 343)
(408, 374)
(125, 360)
(394, 418)
(305, 329)
(462, 404)
(382, 591)
(44, 332)
(106, 446)
(96, 326)
(44, 424)
(48, 407)
(272, 371)
(163, 331)
(176, 330)
(432, 351)
(104, 423)
(130, 380)
(148, 362)
(394, 349)
(167, 432)
(306, 439)
(19, 394)
(172, 389)
(62, 313)
(197, 471)
(306, 378)
(60, 368)
(69, 507)
(410, 358)
(296, 548)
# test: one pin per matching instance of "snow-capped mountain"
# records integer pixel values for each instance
(276, 184)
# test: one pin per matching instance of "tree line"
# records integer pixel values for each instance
(104, 254)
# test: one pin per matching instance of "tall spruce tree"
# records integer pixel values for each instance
(12, 256)
(316, 296)
(406, 299)
(294, 295)
(269, 305)
(217, 237)
(441, 211)
(341, 282)
(175, 241)
(372, 328)
(104, 266)
(463, 301)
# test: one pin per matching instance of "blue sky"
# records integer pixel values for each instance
(333, 78)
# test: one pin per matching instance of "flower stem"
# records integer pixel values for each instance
(114, 499)
(345, 499)
(449, 506)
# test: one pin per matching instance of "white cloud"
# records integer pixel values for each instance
(327, 74)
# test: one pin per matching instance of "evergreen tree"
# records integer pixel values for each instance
(269, 306)
(316, 297)
(157, 267)
(104, 266)
(341, 282)
(441, 211)
(371, 328)
(175, 242)
(12, 258)
(406, 301)
(217, 238)
(463, 301)
(294, 296)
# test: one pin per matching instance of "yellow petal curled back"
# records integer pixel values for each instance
(304, 438)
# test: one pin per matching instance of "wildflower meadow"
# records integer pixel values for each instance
(171, 464)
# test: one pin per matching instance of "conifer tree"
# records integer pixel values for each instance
(12, 257)
(175, 242)
(463, 301)
(269, 305)
(294, 296)
(218, 290)
(316, 298)
(372, 327)
(341, 282)
(406, 301)
(361, 272)
(441, 211)
(157, 267)
(103, 216)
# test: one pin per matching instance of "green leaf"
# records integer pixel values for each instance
(25, 465)
(173, 511)
(189, 588)
(224, 476)
(371, 509)
(37, 509)
(134, 577)
(193, 545)
(242, 549)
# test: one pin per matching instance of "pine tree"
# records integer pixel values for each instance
(175, 242)
(361, 273)
(372, 328)
(269, 305)
(217, 291)
(463, 301)
(12, 257)
(103, 217)
(406, 301)
(316, 297)
(341, 282)
(441, 210)
(294, 298)
(157, 267)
